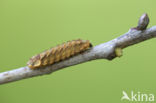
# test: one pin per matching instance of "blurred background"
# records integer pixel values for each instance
(28, 27)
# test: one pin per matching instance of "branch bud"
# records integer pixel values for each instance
(143, 22)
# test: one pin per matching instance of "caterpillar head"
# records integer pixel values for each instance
(34, 62)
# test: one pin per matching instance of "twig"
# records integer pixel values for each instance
(108, 50)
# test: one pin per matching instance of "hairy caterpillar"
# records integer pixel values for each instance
(59, 53)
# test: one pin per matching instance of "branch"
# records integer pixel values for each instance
(108, 50)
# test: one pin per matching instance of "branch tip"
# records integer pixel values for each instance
(143, 22)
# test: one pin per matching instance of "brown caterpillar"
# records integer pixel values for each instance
(59, 53)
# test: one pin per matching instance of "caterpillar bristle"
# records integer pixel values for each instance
(59, 53)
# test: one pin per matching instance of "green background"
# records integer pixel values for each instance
(28, 27)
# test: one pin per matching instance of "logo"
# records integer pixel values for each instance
(137, 96)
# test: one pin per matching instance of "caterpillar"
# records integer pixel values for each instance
(59, 53)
